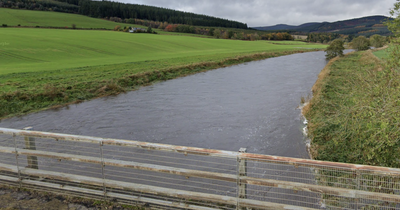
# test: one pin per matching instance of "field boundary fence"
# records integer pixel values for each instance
(178, 177)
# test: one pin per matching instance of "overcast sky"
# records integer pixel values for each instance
(272, 12)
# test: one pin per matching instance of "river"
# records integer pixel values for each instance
(252, 105)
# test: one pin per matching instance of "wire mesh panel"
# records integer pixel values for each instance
(173, 172)
(275, 173)
(322, 185)
(175, 177)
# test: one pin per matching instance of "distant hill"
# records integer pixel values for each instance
(359, 26)
(283, 27)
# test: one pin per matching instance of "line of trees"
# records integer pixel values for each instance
(223, 33)
(359, 43)
(40, 5)
(102, 9)
(322, 37)
(376, 39)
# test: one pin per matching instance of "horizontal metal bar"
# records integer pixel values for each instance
(118, 142)
(9, 179)
(218, 199)
(121, 185)
(269, 206)
(123, 164)
(110, 195)
(201, 151)
(158, 202)
(320, 164)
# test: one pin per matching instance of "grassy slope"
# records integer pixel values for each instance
(31, 18)
(13, 17)
(354, 115)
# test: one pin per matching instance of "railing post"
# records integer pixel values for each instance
(31, 145)
(242, 171)
(16, 160)
(358, 188)
(102, 171)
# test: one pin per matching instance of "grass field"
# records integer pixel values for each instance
(31, 18)
(382, 54)
(42, 68)
(15, 17)
(29, 50)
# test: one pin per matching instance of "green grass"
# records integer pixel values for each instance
(30, 50)
(15, 17)
(382, 54)
(42, 68)
(354, 115)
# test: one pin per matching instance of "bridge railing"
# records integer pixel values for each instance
(169, 176)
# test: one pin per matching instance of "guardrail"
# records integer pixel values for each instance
(168, 176)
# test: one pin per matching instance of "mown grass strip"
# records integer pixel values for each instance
(354, 115)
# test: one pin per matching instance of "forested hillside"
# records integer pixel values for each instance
(365, 26)
(107, 9)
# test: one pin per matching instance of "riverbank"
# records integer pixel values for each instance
(353, 115)
(24, 93)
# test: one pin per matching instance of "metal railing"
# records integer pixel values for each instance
(171, 177)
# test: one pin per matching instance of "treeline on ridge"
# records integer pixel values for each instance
(104, 9)
(41, 5)
(216, 32)
(325, 37)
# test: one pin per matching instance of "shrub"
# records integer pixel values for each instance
(4, 25)
(377, 40)
(116, 28)
(360, 43)
(334, 49)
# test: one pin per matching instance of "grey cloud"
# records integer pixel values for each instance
(271, 12)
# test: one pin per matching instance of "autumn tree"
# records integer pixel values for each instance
(225, 35)
(171, 28)
(116, 28)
